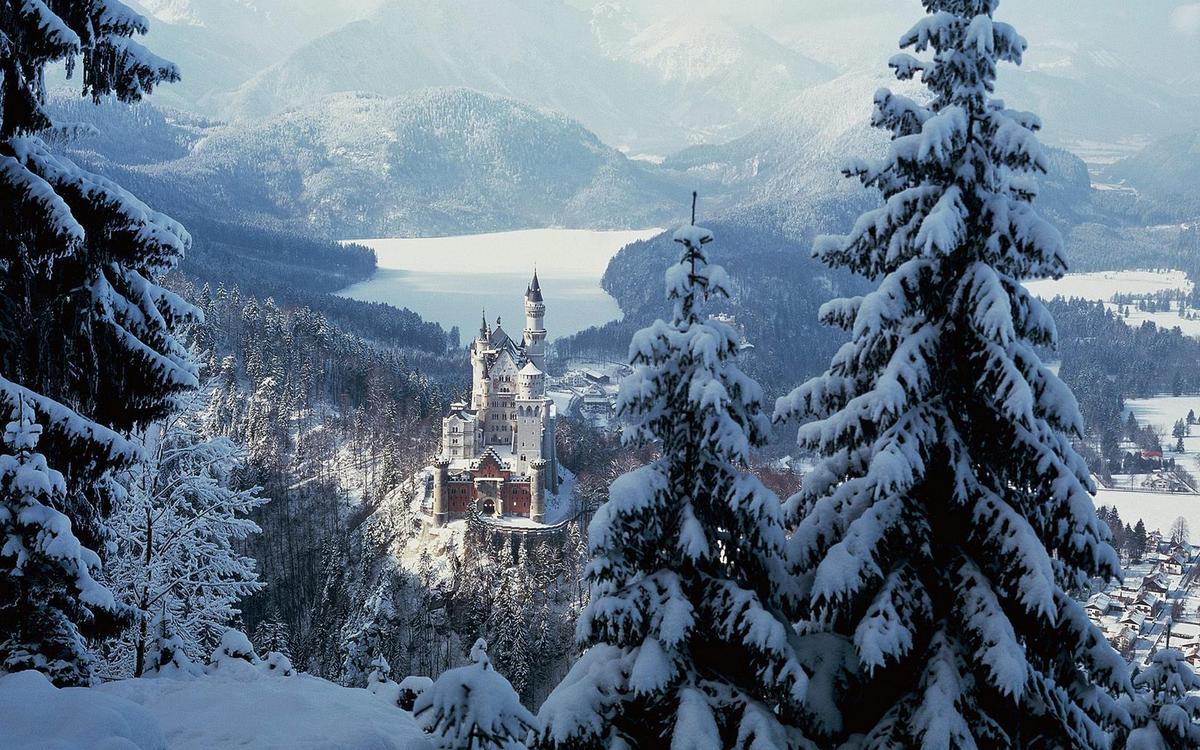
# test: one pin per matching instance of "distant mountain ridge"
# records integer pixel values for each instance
(437, 161)
(1166, 176)
(656, 90)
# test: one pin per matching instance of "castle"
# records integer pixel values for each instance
(498, 452)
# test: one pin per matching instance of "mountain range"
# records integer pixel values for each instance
(656, 77)
(436, 161)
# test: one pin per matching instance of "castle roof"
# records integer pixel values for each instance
(499, 339)
(534, 292)
(530, 369)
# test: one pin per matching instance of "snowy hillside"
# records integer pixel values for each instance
(1165, 174)
(439, 161)
(220, 44)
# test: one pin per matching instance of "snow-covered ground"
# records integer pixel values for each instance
(1161, 413)
(1157, 509)
(1103, 286)
(243, 708)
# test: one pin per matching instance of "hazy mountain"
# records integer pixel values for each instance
(787, 172)
(1166, 175)
(653, 76)
(1098, 95)
(436, 161)
(649, 89)
(220, 44)
(716, 77)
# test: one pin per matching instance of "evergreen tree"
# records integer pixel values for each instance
(86, 332)
(1166, 717)
(950, 518)
(474, 708)
(273, 635)
(688, 646)
(180, 525)
(510, 630)
(1138, 540)
(170, 652)
(49, 586)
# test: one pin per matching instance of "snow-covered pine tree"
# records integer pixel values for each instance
(1166, 708)
(950, 516)
(474, 708)
(86, 332)
(179, 526)
(49, 586)
(688, 643)
(272, 634)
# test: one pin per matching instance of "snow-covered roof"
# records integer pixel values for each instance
(530, 369)
(1100, 602)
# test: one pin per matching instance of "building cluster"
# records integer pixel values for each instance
(591, 392)
(498, 452)
(1136, 614)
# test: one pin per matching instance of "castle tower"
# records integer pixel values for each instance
(535, 324)
(532, 410)
(537, 492)
(479, 363)
(441, 478)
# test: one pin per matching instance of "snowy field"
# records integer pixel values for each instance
(450, 279)
(1157, 509)
(1102, 286)
(1161, 413)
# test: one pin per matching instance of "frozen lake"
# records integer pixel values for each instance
(451, 279)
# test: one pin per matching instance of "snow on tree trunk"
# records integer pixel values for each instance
(86, 331)
(950, 518)
(688, 642)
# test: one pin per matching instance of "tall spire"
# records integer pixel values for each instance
(534, 292)
(484, 333)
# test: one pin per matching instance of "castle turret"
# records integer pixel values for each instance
(535, 324)
(441, 478)
(531, 382)
(537, 491)
(479, 363)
